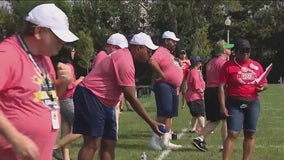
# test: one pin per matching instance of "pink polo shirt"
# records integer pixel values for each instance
(101, 55)
(173, 73)
(108, 75)
(23, 100)
(213, 68)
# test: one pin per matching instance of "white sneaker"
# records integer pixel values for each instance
(174, 146)
(166, 144)
(221, 148)
(155, 142)
(165, 140)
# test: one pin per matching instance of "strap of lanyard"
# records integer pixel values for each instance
(44, 75)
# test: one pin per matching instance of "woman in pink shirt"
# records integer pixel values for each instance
(66, 55)
(195, 95)
(185, 64)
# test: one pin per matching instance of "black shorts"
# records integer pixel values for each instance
(212, 105)
(197, 108)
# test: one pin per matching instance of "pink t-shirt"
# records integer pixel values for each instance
(194, 83)
(240, 79)
(23, 100)
(71, 87)
(185, 64)
(108, 75)
(172, 71)
(213, 68)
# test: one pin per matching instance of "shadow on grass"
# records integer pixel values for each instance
(141, 134)
(137, 147)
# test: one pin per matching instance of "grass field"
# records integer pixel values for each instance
(134, 134)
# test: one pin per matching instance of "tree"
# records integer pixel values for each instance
(85, 50)
(199, 23)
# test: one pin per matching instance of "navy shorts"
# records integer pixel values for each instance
(212, 105)
(243, 113)
(91, 117)
(197, 108)
(166, 100)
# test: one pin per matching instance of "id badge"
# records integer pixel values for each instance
(55, 119)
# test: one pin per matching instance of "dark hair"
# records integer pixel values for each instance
(65, 54)
(182, 52)
(28, 29)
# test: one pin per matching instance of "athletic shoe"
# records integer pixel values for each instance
(174, 136)
(192, 131)
(174, 146)
(221, 149)
(155, 142)
(57, 154)
(199, 144)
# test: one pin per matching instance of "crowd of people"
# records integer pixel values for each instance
(49, 97)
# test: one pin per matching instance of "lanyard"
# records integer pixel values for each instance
(44, 75)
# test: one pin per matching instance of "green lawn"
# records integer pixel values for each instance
(134, 134)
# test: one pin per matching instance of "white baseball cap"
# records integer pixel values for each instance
(118, 40)
(50, 16)
(143, 39)
(170, 35)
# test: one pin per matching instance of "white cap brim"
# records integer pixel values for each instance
(152, 46)
(65, 35)
(143, 39)
(175, 39)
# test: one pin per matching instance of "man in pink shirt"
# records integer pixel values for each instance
(29, 89)
(97, 95)
(212, 106)
(239, 86)
(168, 79)
(114, 42)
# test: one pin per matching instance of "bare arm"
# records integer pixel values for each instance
(261, 87)
(22, 145)
(156, 68)
(79, 80)
(221, 93)
(129, 94)
(64, 78)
